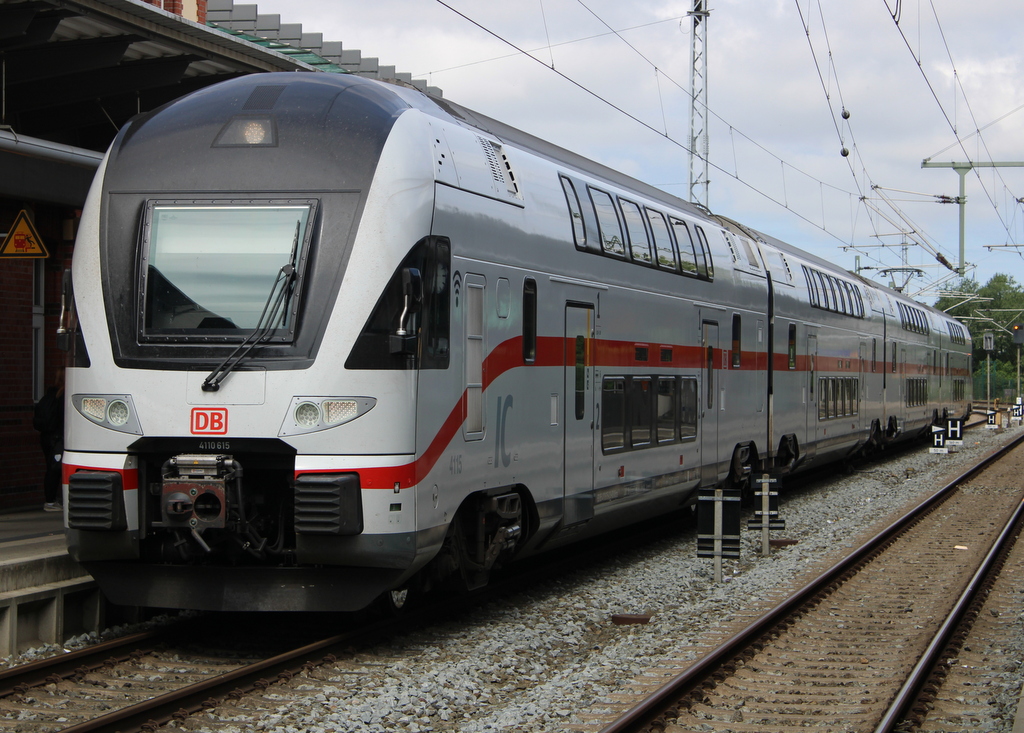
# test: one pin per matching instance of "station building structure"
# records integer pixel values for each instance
(73, 72)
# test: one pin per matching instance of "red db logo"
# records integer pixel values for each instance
(209, 421)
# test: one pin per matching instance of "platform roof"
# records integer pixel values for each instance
(77, 70)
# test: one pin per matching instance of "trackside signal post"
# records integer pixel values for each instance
(718, 526)
(1017, 329)
(766, 516)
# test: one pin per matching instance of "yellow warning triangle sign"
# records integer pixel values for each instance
(23, 240)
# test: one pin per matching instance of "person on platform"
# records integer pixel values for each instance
(48, 419)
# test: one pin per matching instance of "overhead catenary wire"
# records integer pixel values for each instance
(664, 135)
(918, 59)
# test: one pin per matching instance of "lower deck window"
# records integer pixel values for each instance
(613, 414)
(838, 397)
(917, 392)
(640, 412)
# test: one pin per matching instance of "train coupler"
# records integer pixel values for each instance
(194, 491)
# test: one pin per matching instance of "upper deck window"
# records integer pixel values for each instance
(687, 258)
(662, 239)
(579, 230)
(639, 246)
(608, 225)
(221, 272)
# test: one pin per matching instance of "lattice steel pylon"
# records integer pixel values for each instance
(699, 103)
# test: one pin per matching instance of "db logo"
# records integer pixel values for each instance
(209, 421)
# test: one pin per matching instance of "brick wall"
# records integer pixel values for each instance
(21, 459)
(191, 9)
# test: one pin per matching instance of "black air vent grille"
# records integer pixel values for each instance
(263, 97)
(96, 501)
(328, 504)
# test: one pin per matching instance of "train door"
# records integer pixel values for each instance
(578, 415)
(812, 389)
(710, 405)
(861, 387)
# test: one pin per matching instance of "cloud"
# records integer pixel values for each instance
(772, 103)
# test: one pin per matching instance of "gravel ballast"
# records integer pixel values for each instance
(552, 659)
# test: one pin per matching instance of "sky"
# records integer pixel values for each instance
(610, 80)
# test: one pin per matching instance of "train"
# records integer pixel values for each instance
(332, 342)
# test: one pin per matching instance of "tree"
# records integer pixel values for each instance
(998, 305)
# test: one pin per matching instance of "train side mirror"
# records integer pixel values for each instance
(403, 341)
(412, 289)
(63, 332)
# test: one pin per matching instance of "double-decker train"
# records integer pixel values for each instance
(330, 340)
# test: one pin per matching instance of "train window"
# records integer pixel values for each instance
(641, 411)
(835, 293)
(580, 362)
(736, 341)
(529, 320)
(474, 335)
(613, 414)
(858, 301)
(893, 357)
(666, 409)
(874, 355)
(748, 249)
(687, 408)
(823, 399)
(579, 229)
(608, 226)
(778, 264)
(705, 266)
(687, 258)
(820, 293)
(812, 287)
(639, 245)
(849, 308)
(666, 254)
(187, 247)
(435, 314)
(666, 354)
(792, 346)
(372, 349)
(710, 375)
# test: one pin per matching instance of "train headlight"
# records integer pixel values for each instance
(338, 411)
(247, 131)
(309, 414)
(118, 413)
(94, 408)
(114, 412)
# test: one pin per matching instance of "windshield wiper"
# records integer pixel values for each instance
(273, 309)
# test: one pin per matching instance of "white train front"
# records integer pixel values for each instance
(330, 340)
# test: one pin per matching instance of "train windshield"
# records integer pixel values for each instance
(208, 270)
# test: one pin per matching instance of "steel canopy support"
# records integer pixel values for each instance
(961, 169)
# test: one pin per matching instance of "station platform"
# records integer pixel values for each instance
(24, 534)
(45, 596)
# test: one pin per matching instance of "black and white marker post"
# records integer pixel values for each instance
(766, 517)
(718, 526)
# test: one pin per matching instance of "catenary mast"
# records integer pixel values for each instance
(699, 103)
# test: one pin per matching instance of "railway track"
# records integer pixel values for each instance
(863, 647)
(354, 678)
(140, 681)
